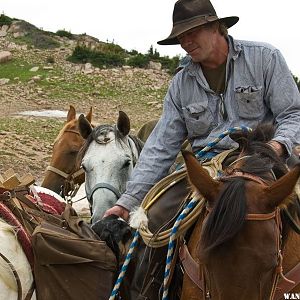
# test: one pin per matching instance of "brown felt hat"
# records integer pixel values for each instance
(188, 14)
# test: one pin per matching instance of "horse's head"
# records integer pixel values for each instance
(65, 149)
(108, 157)
(116, 233)
(241, 236)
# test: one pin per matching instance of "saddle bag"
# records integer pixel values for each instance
(71, 262)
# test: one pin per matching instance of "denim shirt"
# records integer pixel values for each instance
(259, 87)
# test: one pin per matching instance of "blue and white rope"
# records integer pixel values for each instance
(124, 266)
(212, 144)
(171, 245)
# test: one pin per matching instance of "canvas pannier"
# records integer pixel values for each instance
(71, 262)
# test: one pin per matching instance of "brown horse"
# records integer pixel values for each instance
(63, 171)
(243, 242)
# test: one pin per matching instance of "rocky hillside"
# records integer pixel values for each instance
(32, 78)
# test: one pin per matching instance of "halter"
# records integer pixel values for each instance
(103, 185)
(258, 217)
(70, 178)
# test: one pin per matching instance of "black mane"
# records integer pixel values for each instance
(228, 214)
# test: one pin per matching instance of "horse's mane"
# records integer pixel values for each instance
(228, 214)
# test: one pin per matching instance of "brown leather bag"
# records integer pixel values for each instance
(71, 262)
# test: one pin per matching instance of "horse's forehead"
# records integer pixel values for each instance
(106, 152)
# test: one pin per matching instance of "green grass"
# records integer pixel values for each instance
(19, 68)
(40, 129)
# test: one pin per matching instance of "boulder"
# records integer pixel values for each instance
(5, 56)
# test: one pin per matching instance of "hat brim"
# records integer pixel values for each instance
(173, 40)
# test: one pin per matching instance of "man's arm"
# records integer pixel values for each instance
(283, 97)
(157, 156)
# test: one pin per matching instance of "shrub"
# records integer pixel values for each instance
(96, 58)
(64, 33)
(5, 20)
(169, 63)
(139, 60)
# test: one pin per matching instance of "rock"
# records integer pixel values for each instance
(34, 69)
(3, 33)
(4, 81)
(36, 78)
(154, 65)
(5, 56)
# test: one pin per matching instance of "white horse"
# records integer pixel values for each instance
(108, 158)
(14, 258)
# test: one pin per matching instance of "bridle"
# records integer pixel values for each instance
(135, 152)
(278, 272)
(70, 181)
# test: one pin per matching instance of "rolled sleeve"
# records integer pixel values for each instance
(283, 97)
(159, 152)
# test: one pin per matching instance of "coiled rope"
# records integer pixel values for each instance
(185, 219)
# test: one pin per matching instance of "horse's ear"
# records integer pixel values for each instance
(85, 127)
(89, 115)
(123, 123)
(71, 113)
(200, 179)
(281, 189)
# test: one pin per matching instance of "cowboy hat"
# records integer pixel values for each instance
(188, 14)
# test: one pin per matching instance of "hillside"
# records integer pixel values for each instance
(33, 78)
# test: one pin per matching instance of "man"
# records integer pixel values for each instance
(226, 83)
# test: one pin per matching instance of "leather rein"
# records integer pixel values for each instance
(289, 280)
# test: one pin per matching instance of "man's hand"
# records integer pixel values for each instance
(278, 148)
(119, 211)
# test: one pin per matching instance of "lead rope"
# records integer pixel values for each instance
(181, 217)
(124, 266)
(171, 244)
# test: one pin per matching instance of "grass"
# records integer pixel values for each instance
(40, 129)
(20, 69)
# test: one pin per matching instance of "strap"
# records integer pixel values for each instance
(286, 286)
(57, 171)
(190, 267)
(103, 185)
(14, 271)
(30, 292)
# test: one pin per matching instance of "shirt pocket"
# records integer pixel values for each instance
(198, 119)
(249, 102)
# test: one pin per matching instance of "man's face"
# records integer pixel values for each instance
(199, 42)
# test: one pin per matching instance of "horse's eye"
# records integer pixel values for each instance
(83, 167)
(126, 164)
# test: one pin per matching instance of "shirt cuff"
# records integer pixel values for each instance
(284, 142)
(128, 202)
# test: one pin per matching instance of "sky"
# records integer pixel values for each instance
(138, 24)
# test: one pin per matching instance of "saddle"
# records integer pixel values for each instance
(163, 203)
